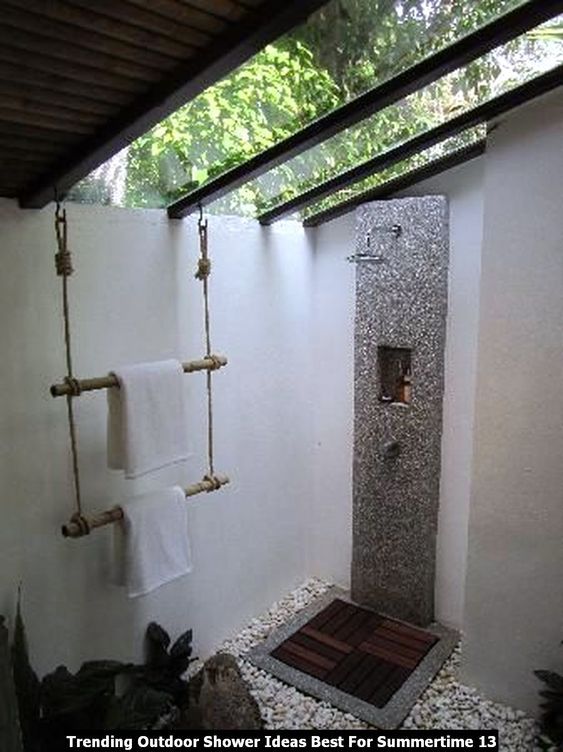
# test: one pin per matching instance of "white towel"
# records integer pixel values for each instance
(146, 418)
(151, 542)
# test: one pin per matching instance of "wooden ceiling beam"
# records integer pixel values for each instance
(188, 16)
(83, 74)
(88, 18)
(227, 52)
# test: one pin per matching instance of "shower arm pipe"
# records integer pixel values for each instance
(107, 382)
(360, 258)
(77, 529)
(395, 230)
(365, 258)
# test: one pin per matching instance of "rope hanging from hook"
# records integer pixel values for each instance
(202, 274)
(63, 265)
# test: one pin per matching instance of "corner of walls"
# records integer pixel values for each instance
(514, 599)
(463, 187)
(333, 400)
(333, 326)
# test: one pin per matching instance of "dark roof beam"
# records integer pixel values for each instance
(480, 114)
(430, 170)
(229, 51)
(460, 53)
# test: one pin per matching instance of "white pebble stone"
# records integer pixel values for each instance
(445, 704)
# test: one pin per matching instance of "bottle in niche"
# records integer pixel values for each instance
(405, 385)
(398, 390)
(394, 375)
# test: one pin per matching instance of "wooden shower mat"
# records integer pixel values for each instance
(362, 653)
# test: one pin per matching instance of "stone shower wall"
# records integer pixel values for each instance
(400, 303)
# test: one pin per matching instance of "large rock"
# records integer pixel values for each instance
(219, 699)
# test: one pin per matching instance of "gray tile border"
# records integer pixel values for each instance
(398, 707)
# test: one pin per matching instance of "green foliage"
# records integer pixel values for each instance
(89, 699)
(28, 688)
(228, 123)
(72, 701)
(344, 50)
(551, 719)
(361, 42)
(10, 732)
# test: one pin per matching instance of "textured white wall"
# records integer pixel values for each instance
(134, 298)
(514, 600)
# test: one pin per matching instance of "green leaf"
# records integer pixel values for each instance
(139, 708)
(553, 680)
(10, 733)
(27, 685)
(65, 694)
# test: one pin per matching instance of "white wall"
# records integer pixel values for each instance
(330, 549)
(134, 298)
(283, 310)
(513, 484)
(514, 600)
(334, 401)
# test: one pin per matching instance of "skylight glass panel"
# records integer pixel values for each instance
(345, 49)
(492, 75)
(423, 158)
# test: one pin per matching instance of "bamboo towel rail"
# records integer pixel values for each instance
(76, 530)
(106, 382)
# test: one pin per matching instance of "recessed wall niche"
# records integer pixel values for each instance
(395, 375)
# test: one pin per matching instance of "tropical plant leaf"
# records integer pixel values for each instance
(179, 666)
(157, 641)
(555, 698)
(180, 654)
(105, 669)
(157, 634)
(27, 685)
(10, 733)
(552, 707)
(182, 648)
(139, 708)
(81, 701)
(553, 680)
(65, 694)
(88, 700)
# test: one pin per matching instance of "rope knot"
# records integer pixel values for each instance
(215, 362)
(63, 263)
(215, 482)
(203, 269)
(73, 385)
(82, 522)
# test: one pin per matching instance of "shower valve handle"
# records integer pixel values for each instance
(391, 450)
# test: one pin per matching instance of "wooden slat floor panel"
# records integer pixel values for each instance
(356, 650)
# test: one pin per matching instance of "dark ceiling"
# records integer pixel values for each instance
(79, 80)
